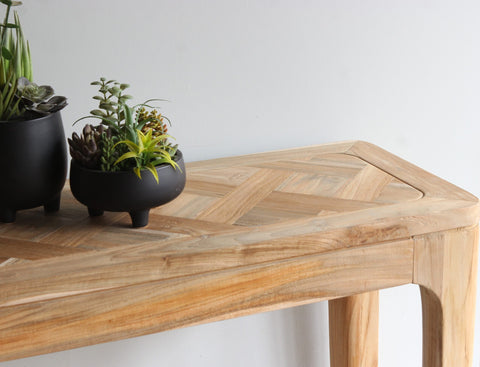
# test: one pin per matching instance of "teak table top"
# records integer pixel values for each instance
(248, 234)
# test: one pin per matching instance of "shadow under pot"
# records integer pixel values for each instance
(123, 191)
(33, 165)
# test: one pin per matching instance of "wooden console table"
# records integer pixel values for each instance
(250, 234)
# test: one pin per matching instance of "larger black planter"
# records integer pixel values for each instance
(124, 192)
(33, 164)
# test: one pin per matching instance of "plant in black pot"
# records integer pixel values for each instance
(126, 162)
(33, 155)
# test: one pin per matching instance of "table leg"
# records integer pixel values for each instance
(354, 330)
(445, 267)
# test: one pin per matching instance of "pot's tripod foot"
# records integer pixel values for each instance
(7, 215)
(53, 205)
(139, 218)
(93, 212)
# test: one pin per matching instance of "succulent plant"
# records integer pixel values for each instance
(85, 149)
(33, 93)
(127, 137)
(111, 152)
(152, 120)
(54, 104)
(111, 102)
(37, 98)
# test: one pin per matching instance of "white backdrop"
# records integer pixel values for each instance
(245, 76)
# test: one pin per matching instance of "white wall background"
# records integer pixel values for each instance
(245, 76)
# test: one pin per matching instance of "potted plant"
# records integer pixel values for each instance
(126, 163)
(33, 156)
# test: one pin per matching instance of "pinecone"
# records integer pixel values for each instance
(85, 149)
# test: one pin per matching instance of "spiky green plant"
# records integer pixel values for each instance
(147, 154)
(15, 48)
(19, 96)
(15, 62)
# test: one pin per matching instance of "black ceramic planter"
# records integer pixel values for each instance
(125, 192)
(33, 165)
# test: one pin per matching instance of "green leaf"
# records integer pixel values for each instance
(159, 138)
(146, 137)
(106, 106)
(165, 160)
(124, 86)
(152, 169)
(159, 160)
(161, 152)
(122, 100)
(141, 139)
(9, 25)
(15, 109)
(98, 113)
(17, 60)
(137, 172)
(95, 83)
(172, 150)
(141, 124)
(131, 145)
(115, 91)
(124, 156)
(128, 115)
(105, 120)
(6, 53)
(154, 100)
(110, 121)
(9, 43)
(168, 120)
(28, 64)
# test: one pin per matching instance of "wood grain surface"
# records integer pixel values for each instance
(248, 234)
(446, 270)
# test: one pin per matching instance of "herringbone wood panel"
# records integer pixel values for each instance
(215, 200)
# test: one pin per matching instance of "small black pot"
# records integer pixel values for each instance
(124, 192)
(33, 165)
